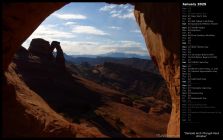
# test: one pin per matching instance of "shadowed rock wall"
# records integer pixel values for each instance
(160, 26)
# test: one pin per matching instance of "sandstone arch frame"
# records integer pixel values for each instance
(159, 23)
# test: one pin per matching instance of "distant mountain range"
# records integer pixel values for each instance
(114, 55)
(141, 64)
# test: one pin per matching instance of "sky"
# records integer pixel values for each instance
(92, 28)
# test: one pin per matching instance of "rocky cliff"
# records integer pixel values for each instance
(26, 114)
(159, 24)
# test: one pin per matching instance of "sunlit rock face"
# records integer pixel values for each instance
(159, 24)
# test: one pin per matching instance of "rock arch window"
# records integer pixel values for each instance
(171, 75)
(97, 31)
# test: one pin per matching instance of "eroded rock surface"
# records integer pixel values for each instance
(160, 24)
(26, 114)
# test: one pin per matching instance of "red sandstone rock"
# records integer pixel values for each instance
(141, 105)
(26, 114)
(126, 101)
(160, 24)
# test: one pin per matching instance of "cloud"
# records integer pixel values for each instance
(124, 16)
(72, 47)
(136, 31)
(70, 23)
(49, 32)
(114, 12)
(52, 25)
(80, 47)
(80, 29)
(126, 46)
(69, 16)
(124, 6)
(129, 42)
(115, 27)
(108, 7)
(121, 11)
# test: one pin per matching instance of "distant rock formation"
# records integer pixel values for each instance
(59, 57)
(43, 49)
(39, 47)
